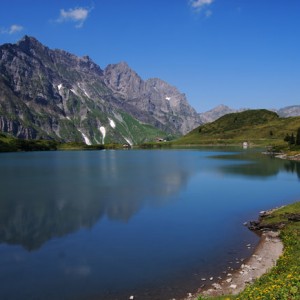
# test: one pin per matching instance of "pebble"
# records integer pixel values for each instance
(229, 280)
(211, 278)
(131, 298)
(203, 279)
(233, 286)
(249, 280)
(217, 286)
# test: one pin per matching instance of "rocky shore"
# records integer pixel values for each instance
(262, 260)
(288, 157)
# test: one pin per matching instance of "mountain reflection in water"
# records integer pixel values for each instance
(109, 224)
(50, 197)
(253, 164)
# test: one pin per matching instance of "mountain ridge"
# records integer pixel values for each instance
(259, 127)
(53, 94)
(221, 110)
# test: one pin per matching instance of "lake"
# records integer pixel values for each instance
(149, 223)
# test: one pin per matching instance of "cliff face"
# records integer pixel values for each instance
(53, 94)
(161, 104)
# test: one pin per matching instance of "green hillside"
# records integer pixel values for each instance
(259, 127)
(9, 143)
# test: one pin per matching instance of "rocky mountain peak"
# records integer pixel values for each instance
(164, 88)
(215, 113)
(51, 93)
(30, 44)
(152, 101)
(122, 79)
(29, 40)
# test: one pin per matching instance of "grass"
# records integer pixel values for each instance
(83, 146)
(11, 144)
(258, 127)
(138, 132)
(283, 281)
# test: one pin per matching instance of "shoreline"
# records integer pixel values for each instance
(264, 257)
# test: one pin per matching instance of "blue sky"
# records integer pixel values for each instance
(241, 53)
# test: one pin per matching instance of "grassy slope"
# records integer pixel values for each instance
(139, 132)
(283, 281)
(260, 127)
(12, 144)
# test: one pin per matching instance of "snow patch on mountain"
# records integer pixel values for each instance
(128, 141)
(112, 123)
(103, 132)
(74, 92)
(86, 139)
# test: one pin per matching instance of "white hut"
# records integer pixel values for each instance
(245, 145)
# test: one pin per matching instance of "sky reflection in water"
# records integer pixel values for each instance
(79, 225)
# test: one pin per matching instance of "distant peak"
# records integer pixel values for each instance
(222, 106)
(86, 58)
(28, 42)
(123, 63)
(121, 67)
(155, 81)
(28, 39)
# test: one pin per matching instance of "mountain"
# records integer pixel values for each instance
(222, 110)
(52, 94)
(260, 127)
(166, 107)
(215, 113)
(289, 111)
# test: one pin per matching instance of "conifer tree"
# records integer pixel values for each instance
(298, 137)
(292, 139)
(287, 138)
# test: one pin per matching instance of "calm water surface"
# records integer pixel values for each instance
(110, 224)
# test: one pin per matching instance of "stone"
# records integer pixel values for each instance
(217, 286)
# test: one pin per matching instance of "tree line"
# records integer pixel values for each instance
(293, 140)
